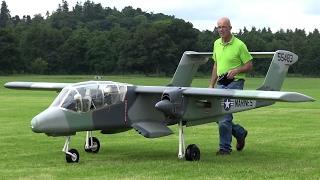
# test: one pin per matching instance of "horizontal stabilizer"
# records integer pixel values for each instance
(190, 62)
(36, 85)
(249, 94)
(152, 129)
(256, 55)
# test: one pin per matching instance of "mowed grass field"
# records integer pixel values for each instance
(283, 140)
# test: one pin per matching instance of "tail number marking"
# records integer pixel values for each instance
(286, 58)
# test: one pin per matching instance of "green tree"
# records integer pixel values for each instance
(9, 58)
(16, 20)
(4, 15)
(183, 35)
(73, 52)
(150, 50)
(41, 41)
(92, 11)
(65, 6)
(100, 55)
(311, 61)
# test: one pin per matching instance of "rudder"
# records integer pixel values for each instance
(278, 70)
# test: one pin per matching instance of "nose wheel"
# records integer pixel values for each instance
(72, 155)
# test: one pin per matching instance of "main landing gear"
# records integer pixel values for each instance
(92, 145)
(192, 153)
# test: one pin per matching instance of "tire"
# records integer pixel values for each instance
(71, 159)
(192, 153)
(96, 145)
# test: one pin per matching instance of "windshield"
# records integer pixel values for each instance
(59, 98)
(83, 97)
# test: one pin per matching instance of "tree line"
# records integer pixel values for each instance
(91, 39)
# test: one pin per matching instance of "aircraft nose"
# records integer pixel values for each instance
(50, 121)
(34, 125)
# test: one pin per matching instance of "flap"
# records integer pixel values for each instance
(152, 129)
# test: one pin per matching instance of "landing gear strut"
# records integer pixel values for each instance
(182, 146)
(192, 153)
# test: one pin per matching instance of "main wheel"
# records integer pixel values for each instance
(94, 145)
(192, 153)
(74, 158)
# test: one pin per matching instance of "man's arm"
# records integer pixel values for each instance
(242, 69)
(214, 76)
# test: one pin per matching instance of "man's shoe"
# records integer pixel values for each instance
(222, 152)
(241, 142)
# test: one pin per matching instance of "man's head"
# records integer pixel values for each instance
(224, 28)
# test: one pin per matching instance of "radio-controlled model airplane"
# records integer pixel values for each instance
(113, 107)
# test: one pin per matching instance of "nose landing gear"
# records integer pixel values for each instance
(92, 145)
(72, 155)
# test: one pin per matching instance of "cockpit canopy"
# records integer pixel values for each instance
(86, 96)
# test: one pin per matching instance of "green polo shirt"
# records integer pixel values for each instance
(230, 55)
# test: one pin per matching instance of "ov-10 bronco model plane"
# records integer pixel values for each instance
(113, 107)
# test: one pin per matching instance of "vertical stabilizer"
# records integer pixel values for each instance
(278, 70)
(188, 66)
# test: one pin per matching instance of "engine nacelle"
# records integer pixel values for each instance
(172, 103)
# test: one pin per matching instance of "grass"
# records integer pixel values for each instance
(283, 141)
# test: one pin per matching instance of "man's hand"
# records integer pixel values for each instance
(245, 68)
(232, 73)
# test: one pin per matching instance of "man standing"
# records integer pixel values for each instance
(231, 61)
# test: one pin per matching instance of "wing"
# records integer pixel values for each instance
(155, 90)
(248, 94)
(36, 85)
(229, 93)
(206, 105)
